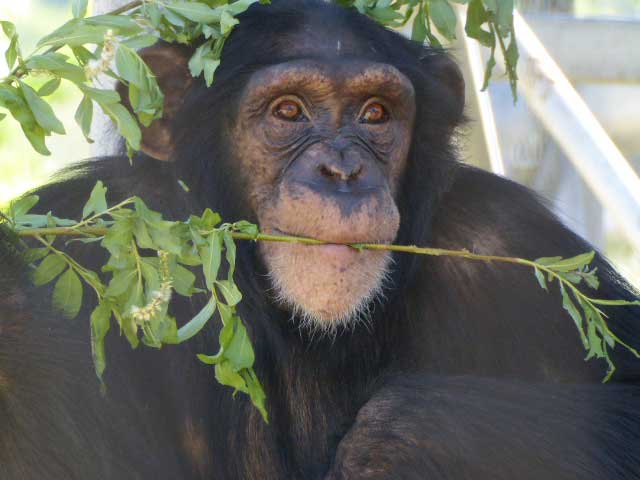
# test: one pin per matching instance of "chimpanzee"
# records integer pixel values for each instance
(321, 123)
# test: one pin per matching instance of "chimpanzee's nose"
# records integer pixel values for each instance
(331, 170)
(343, 170)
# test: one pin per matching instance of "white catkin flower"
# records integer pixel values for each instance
(159, 298)
(102, 64)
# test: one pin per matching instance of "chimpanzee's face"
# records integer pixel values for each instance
(324, 145)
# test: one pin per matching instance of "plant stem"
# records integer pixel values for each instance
(264, 237)
(125, 8)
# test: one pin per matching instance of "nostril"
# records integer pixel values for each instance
(336, 172)
(327, 171)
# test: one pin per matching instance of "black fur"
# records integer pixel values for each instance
(466, 371)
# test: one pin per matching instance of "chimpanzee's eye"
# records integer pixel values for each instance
(374, 112)
(289, 110)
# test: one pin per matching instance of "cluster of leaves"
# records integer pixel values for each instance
(107, 44)
(135, 288)
(150, 259)
(589, 319)
(490, 22)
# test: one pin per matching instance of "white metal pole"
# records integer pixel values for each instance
(571, 123)
(488, 122)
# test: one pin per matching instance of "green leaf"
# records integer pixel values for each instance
(239, 6)
(595, 342)
(240, 352)
(547, 260)
(103, 97)
(145, 96)
(227, 22)
(211, 256)
(569, 306)
(35, 254)
(13, 99)
(141, 41)
(36, 134)
(41, 110)
(75, 33)
(541, 279)
(84, 117)
(443, 17)
(97, 202)
(196, 12)
(67, 294)
(79, 8)
(476, 17)
(153, 13)
(511, 57)
(196, 62)
(491, 63)
(8, 28)
(592, 280)
(229, 319)
(230, 292)
(210, 359)
(256, 392)
(419, 29)
(226, 375)
(20, 207)
(210, 67)
(100, 325)
(49, 88)
(573, 263)
(57, 64)
(504, 14)
(197, 323)
(615, 303)
(52, 266)
(386, 16)
(11, 55)
(127, 125)
(247, 227)
(183, 281)
(121, 24)
(151, 276)
(121, 282)
(230, 253)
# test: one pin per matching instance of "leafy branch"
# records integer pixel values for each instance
(138, 289)
(107, 44)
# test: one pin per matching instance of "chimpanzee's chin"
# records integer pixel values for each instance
(325, 286)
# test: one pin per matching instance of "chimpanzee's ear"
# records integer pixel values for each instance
(451, 91)
(169, 63)
(451, 75)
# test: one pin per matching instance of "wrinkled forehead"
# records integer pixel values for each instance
(340, 75)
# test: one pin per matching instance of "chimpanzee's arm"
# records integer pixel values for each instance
(459, 428)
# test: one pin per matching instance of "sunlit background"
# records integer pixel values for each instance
(529, 156)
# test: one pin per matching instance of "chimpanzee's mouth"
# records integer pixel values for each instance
(347, 243)
(340, 252)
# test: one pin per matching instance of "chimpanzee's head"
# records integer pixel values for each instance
(319, 124)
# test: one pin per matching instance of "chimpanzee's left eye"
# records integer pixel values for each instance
(374, 112)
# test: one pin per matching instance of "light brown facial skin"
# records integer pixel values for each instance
(327, 174)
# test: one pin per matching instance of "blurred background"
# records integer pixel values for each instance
(576, 143)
